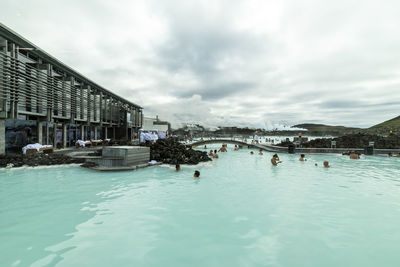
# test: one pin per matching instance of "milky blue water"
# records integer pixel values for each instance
(241, 212)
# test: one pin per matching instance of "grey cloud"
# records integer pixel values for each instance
(331, 63)
(341, 104)
(214, 92)
(202, 51)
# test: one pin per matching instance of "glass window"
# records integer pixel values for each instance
(19, 133)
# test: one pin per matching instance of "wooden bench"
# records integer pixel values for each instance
(31, 152)
(96, 143)
(45, 150)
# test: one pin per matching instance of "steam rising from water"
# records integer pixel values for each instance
(281, 126)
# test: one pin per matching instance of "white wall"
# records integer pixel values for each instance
(148, 125)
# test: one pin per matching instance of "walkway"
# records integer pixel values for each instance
(264, 147)
(271, 148)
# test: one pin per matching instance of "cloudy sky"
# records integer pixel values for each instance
(251, 63)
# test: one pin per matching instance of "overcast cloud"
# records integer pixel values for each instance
(245, 63)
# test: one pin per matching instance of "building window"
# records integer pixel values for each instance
(19, 133)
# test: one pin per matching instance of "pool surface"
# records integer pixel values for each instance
(241, 212)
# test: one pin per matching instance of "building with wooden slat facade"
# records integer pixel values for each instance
(42, 100)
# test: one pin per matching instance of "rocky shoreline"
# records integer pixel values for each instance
(34, 160)
(353, 141)
(170, 151)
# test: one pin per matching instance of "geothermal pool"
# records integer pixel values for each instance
(241, 212)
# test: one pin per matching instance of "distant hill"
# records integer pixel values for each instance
(386, 126)
(322, 129)
(382, 128)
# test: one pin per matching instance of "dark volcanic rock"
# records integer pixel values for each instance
(353, 141)
(89, 164)
(170, 151)
(37, 160)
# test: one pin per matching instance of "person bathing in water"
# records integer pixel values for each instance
(211, 153)
(354, 155)
(215, 155)
(302, 157)
(275, 160)
(260, 152)
(222, 149)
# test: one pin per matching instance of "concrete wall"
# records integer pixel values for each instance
(125, 155)
(137, 155)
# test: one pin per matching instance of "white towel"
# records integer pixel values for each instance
(36, 146)
(82, 143)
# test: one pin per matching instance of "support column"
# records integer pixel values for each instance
(50, 94)
(39, 101)
(74, 95)
(47, 133)
(55, 135)
(16, 82)
(82, 115)
(137, 118)
(64, 140)
(88, 103)
(113, 132)
(40, 132)
(105, 133)
(12, 81)
(94, 108)
(111, 110)
(29, 90)
(95, 132)
(64, 97)
(2, 137)
(82, 128)
(3, 79)
(105, 115)
(125, 125)
(101, 109)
